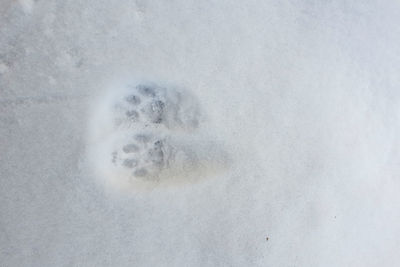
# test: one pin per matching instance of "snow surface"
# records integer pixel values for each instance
(300, 111)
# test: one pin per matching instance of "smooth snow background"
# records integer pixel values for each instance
(303, 94)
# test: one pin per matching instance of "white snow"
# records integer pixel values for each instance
(298, 138)
(27, 5)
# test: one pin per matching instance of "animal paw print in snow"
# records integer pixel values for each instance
(144, 155)
(151, 106)
(149, 115)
